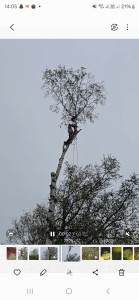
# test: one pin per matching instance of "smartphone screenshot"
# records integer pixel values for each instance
(69, 144)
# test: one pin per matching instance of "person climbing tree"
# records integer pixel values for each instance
(72, 131)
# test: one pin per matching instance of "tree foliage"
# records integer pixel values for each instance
(31, 227)
(50, 254)
(94, 206)
(127, 254)
(90, 253)
(75, 93)
(72, 256)
(34, 254)
(23, 253)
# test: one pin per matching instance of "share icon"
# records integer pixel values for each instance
(95, 272)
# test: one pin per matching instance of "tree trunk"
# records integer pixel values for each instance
(52, 199)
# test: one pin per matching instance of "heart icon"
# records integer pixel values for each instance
(17, 272)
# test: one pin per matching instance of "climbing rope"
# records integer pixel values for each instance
(77, 151)
(73, 151)
(75, 148)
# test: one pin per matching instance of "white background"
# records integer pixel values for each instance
(68, 19)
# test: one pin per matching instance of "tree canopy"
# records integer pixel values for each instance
(75, 93)
(95, 206)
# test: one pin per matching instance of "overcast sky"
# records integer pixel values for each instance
(30, 137)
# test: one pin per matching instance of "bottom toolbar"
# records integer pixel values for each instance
(69, 259)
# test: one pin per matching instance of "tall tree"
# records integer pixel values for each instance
(72, 256)
(76, 96)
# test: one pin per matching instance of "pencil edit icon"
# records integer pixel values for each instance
(43, 272)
